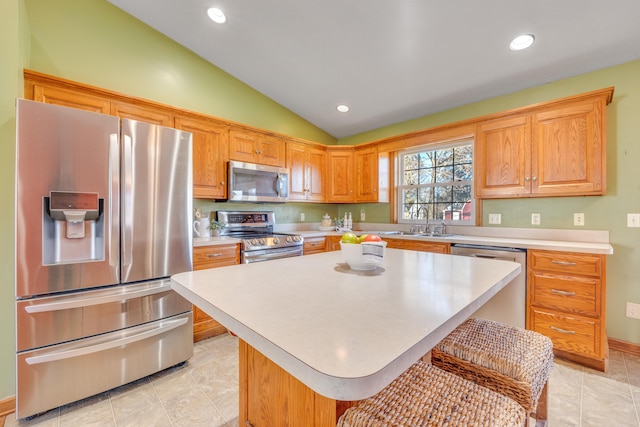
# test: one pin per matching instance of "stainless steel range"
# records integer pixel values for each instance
(259, 242)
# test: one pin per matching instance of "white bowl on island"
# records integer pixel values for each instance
(363, 256)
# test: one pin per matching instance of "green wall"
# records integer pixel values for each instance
(95, 43)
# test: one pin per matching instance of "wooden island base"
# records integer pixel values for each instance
(270, 396)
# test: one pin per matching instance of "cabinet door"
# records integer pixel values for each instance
(70, 98)
(143, 114)
(243, 146)
(502, 153)
(297, 164)
(271, 151)
(340, 171)
(568, 150)
(366, 161)
(333, 243)
(316, 176)
(210, 156)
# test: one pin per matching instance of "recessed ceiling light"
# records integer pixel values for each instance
(216, 15)
(343, 108)
(522, 42)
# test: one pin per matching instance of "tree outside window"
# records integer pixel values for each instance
(436, 183)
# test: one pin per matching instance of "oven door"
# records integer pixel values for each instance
(270, 254)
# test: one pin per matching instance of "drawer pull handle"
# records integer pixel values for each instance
(569, 263)
(214, 255)
(562, 331)
(565, 293)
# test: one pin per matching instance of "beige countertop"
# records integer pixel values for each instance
(587, 241)
(343, 333)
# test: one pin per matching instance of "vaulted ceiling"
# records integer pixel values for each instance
(394, 60)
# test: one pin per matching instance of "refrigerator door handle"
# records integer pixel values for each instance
(113, 226)
(127, 206)
(67, 354)
(85, 302)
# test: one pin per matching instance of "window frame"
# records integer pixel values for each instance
(400, 186)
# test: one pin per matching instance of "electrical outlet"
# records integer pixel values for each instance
(301, 216)
(633, 310)
(578, 219)
(362, 216)
(633, 220)
(495, 218)
(535, 219)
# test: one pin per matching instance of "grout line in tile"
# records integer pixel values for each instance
(635, 404)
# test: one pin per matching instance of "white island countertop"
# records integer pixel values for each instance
(343, 333)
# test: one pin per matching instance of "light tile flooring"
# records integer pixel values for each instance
(204, 392)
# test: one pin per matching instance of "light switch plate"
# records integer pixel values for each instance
(535, 219)
(633, 220)
(578, 219)
(495, 218)
(301, 216)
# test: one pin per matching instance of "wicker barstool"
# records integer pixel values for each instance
(512, 361)
(427, 396)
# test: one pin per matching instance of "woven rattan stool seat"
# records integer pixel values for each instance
(512, 361)
(427, 396)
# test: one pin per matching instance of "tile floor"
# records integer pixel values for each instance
(204, 392)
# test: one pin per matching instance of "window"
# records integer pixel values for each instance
(435, 182)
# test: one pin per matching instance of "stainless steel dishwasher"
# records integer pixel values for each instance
(509, 305)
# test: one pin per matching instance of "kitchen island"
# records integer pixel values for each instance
(316, 335)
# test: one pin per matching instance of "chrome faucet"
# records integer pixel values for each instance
(426, 230)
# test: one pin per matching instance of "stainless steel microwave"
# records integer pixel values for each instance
(251, 182)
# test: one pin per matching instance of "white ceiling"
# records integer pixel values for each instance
(394, 60)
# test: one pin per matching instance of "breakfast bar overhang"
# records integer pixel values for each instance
(335, 334)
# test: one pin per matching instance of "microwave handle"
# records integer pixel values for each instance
(279, 185)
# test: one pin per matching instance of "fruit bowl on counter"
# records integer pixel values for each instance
(362, 253)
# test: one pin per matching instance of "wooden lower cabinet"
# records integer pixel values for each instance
(333, 243)
(270, 396)
(566, 302)
(422, 246)
(205, 257)
(314, 245)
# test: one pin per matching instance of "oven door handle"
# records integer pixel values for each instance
(83, 351)
(87, 301)
(272, 255)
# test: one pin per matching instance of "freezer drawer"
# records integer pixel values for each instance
(52, 320)
(97, 364)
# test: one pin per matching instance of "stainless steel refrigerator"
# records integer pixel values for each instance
(103, 218)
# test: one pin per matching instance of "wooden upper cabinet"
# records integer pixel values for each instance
(67, 98)
(555, 149)
(142, 113)
(210, 156)
(340, 180)
(307, 165)
(255, 147)
(366, 164)
(502, 158)
(569, 150)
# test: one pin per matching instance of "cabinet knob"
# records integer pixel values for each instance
(213, 255)
(535, 178)
(526, 178)
(222, 183)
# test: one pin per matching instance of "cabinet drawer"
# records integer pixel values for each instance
(215, 256)
(565, 262)
(413, 245)
(314, 245)
(568, 333)
(577, 295)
